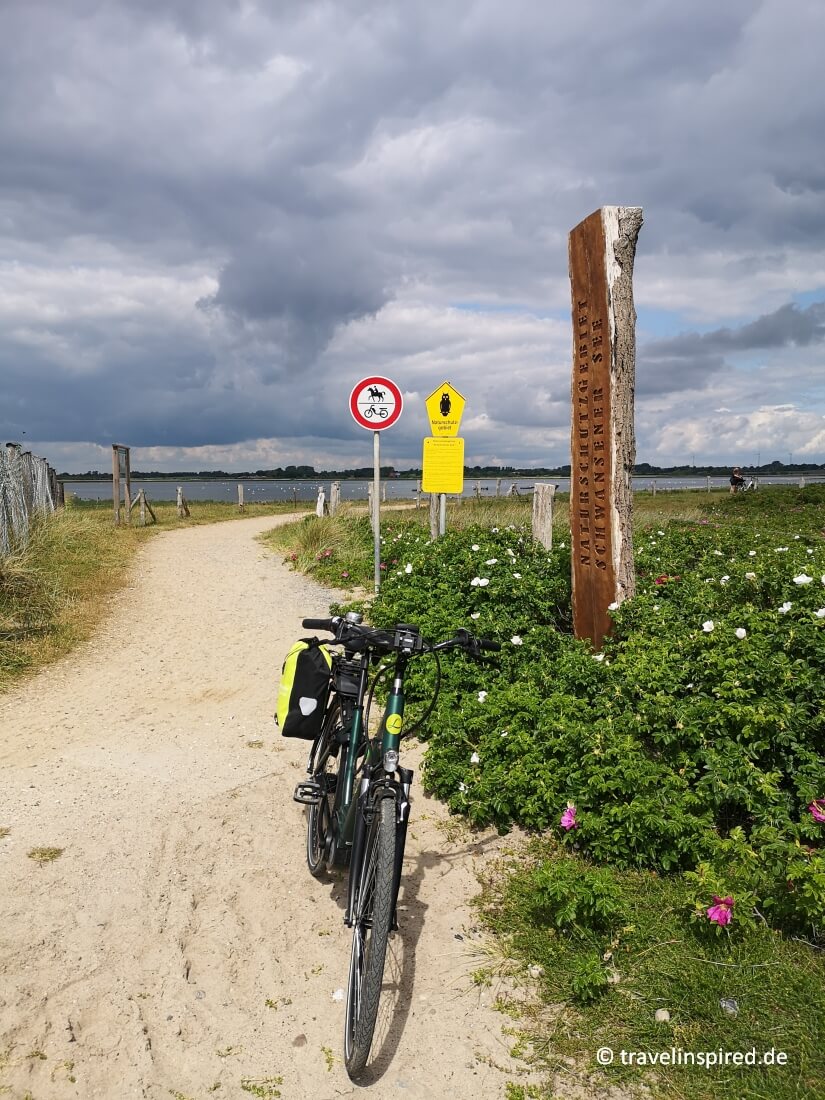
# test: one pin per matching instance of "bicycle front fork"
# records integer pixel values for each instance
(401, 790)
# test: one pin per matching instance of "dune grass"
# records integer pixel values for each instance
(55, 590)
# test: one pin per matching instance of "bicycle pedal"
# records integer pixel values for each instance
(308, 793)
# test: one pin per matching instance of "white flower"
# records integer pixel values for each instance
(655, 607)
(475, 758)
(511, 552)
(598, 656)
(475, 582)
(494, 530)
(796, 536)
(821, 613)
(613, 606)
(491, 561)
(562, 546)
(802, 578)
(781, 549)
(475, 614)
(660, 532)
(785, 608)
(517, 576)
(823, 578)
(483, 581)
(809, 550)
(741, 632)
(462, 786)
(750, 576)
(690, 685)
(751, 553)
(504, 733)
(482, 695)
(474, 546)
(707, 626)
(408, 567)
(718, 553)
(724, 580)
(516, 640)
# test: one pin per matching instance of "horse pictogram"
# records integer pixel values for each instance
(376, 394)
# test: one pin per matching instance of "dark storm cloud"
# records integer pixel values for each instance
(691, 360)
(788, 326)
(299, 166)
(308, 280)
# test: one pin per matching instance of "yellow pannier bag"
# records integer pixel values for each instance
(304, 689)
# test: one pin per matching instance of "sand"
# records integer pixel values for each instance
(178, 946)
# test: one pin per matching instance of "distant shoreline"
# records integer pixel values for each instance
(812, 470)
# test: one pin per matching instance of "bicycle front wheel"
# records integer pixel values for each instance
(325, 774)
(372, 918)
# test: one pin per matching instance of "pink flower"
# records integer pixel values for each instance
(817, 809)
(721, 911)
(345, 574)
(568, 818)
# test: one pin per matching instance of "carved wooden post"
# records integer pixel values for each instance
(543, 496)
(334, 497)
(601, 251)
(241, 506)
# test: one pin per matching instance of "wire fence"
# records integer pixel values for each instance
(28, 488)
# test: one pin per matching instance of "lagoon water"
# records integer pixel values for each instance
(265, 489)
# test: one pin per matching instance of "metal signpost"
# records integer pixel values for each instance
(443, 460)
(375, 404)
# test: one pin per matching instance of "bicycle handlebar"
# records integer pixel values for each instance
(404, 637)
(320, 624)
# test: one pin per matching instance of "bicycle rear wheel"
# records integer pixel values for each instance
(372, 918)
(325, 774)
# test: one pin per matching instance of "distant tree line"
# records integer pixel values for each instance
(361, 473)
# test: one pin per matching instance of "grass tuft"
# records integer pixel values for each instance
(45, 855)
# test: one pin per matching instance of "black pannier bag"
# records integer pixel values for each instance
(304, 689)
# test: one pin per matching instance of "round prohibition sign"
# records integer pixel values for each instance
(375, 403)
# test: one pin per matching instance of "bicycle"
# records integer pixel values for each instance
(366, 831)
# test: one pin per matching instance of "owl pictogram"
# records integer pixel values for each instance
(446, 404)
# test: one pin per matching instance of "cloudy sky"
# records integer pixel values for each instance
(217, 215)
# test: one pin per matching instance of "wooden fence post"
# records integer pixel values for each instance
(116, 482)
(334, 497)
(543, 497)
(241, 505)
(433, 516)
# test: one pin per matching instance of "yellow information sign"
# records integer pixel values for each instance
(443, 466)
(444, 408)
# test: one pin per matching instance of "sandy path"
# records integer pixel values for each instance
(179, 946)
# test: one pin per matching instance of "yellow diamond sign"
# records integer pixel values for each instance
(444, 408)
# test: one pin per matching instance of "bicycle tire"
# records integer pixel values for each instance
(372, 919)
(319, 815)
